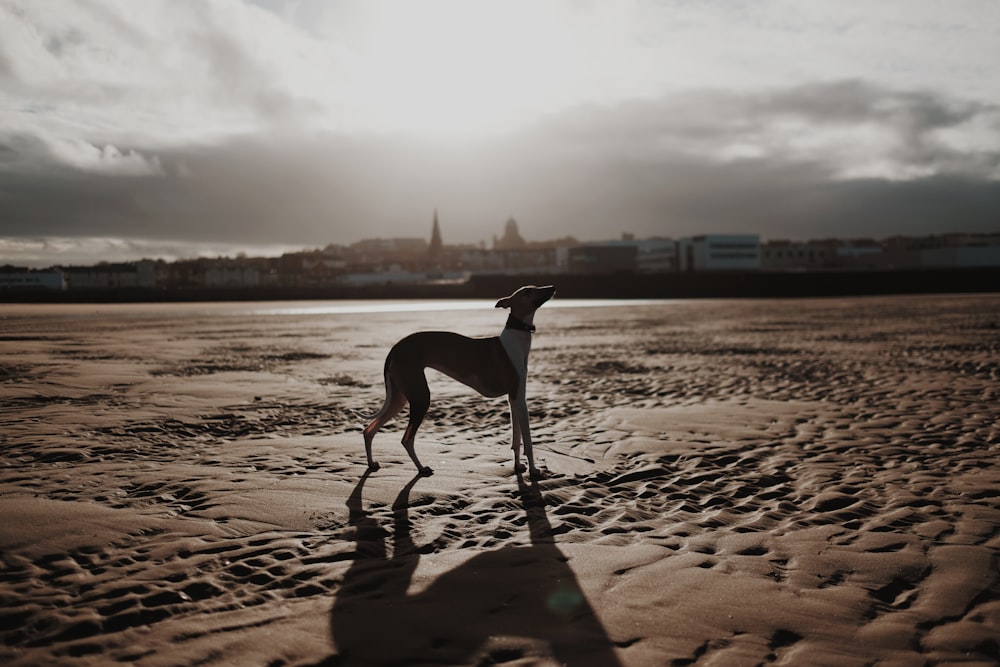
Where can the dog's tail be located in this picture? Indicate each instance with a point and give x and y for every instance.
(388, 391)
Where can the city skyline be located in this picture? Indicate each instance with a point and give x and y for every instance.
(151, 129)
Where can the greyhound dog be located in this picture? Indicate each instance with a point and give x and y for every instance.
(493, 366)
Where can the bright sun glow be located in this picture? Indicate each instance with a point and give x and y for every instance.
(455, 68)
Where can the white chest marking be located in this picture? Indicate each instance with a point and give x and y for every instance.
(517, 344)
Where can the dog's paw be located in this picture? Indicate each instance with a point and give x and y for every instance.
(536, 473)
(426, 471)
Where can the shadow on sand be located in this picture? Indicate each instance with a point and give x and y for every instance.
(498, 606)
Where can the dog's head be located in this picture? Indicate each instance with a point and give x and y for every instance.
(527, 300)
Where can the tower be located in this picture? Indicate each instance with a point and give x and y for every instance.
(436, 245)
(511, 239)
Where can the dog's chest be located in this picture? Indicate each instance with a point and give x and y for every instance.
(517, 344)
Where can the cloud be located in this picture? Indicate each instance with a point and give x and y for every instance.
(875, 131)
(158, 72)
(662, 167)
(105, 159)
(816, 160)
(42, 154)
(220, 120)
(854, 128)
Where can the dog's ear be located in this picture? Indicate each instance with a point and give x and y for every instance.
(503, 303)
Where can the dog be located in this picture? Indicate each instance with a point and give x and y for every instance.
(493, 366)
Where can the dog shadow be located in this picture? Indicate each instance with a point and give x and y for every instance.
(498, 606)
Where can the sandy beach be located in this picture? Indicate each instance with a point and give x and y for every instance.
(727, 482)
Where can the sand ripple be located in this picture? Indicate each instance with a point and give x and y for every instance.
(728, 482)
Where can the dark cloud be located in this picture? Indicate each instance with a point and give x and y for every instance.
(651, 168)
(705, 122)
(929, 205)
(913, 120)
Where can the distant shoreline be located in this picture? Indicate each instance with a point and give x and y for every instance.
(697, 285)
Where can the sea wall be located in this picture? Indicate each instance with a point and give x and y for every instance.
(696, 285)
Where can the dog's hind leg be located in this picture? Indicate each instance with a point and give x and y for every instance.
(419, 396)
(394, 402)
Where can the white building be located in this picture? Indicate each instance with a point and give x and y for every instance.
(20, 278)
(719, 252)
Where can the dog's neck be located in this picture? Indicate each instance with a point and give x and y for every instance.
(518, 325)
(516, 341)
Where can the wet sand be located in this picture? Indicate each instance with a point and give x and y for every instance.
(726, 483)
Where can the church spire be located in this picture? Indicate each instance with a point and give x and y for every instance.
(436, 244)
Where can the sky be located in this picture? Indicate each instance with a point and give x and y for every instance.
(158, 128)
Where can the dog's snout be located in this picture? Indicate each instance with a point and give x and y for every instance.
(545, 293)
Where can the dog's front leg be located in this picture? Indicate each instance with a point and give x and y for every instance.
(519, 407)
(515, 428)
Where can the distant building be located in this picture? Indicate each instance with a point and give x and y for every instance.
(612, 257)
(656, 256)
(511, 239)
(480, 260)
(111, 276)
(18, 278)
(374, 255)
(394, 246)
(393, 277)
(860, 254)
(798, 255)
(946, 251)
(960, 257)
(719, 252)
(627, 255)
(331, 258)
(233, 273)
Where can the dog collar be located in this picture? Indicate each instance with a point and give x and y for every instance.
(514, 323)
